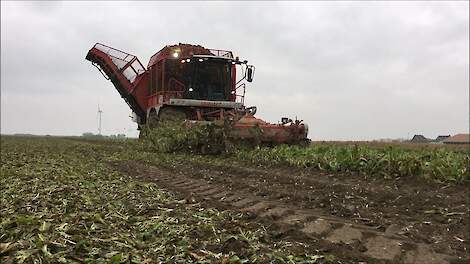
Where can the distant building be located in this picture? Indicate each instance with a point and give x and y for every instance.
(439, 139)
(458, 139)
(420, 139)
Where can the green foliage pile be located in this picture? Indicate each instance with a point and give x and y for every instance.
(440, 164)
(200, 138)
(437, 163)
(62, 202)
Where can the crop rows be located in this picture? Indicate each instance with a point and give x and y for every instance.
(439, 164)
(62, 202)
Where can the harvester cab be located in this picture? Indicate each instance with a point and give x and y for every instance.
(192, 83)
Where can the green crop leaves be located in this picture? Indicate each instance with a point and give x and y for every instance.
(438, 164)
(62, 202)
(170, 137)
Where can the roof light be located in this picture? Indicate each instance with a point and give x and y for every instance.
(176, 54)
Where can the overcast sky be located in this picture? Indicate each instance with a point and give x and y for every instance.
(352, 71)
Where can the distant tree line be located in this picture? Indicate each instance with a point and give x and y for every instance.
(98, 136)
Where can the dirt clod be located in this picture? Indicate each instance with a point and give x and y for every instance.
(319, 226)
(383, 248)
(345, 234)
(235, 245)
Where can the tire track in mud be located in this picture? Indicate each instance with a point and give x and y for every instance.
(369, 244)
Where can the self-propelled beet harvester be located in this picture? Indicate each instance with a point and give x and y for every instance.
(192, 83)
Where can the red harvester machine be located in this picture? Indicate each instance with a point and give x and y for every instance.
(190, 82)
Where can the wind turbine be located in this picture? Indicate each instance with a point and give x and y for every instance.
(99, 118)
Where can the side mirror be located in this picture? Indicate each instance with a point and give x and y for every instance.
(249, 73)
(285, 120)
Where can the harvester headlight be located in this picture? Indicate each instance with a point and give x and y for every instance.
(188, 60)
(191, 89)
(183, 61)
(201, 60)
(176, 54)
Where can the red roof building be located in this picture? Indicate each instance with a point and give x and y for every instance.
(458, 139)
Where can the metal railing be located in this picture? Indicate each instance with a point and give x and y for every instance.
(129, 65)
(241, 96)
(222, 53)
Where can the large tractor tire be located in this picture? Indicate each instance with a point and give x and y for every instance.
(152, 120)
(171, 114)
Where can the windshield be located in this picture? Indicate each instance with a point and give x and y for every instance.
(200, 78)
(211, 79)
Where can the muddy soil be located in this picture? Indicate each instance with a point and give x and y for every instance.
(355, 217)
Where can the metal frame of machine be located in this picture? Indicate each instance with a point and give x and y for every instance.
(151, 91)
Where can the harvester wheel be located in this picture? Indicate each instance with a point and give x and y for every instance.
(171, 114)
(142, 134)
(152, 121)
(305, 142)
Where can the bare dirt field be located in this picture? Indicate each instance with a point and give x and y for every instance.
(350, 216)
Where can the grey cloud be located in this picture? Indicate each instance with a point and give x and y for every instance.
(357, 70)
